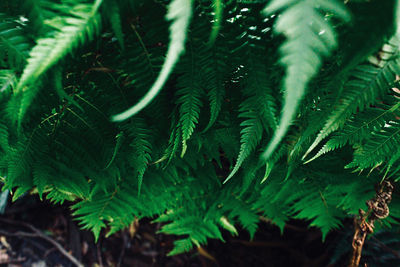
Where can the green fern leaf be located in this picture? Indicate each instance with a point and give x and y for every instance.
(38, 12)
(250, 136)
(104, 207)
(367, 83)
(142, 147)
(205, 229)
(119, 141)
(259, 110)
(360, 127)
(14, 45)
(378, 148)
(180, 12)
(190, 104)
(80, 21)
(112, 11)
(309, 37)
(215, 76)
(218, 10)
(41, 177)
(181, 246)
(8, 80)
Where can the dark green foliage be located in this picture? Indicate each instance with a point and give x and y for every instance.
(194, 156)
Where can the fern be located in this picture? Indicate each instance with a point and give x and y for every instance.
(367, 83)
(8, 80)
(307, 32)
(115, 21)
(189, 94)
(378, 147)
(218, 10)
(258, 109)
(38, 12)
(218, 107)
(80, 22)
(180, 12)
(361, 127)
(215, 76)
(142, 148)
(14, 44)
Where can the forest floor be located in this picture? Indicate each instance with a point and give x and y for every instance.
(34, 233)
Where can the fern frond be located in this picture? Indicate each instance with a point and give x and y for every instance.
(79, 21)
(104, 207)
(378, 148)
(8, 80)
(14, 44)
(368, 81)
(38, 12)
(218, 12)
(243, 212)
(250, 136)
(180, 13)
(20, 158)
(360, 127)
(258, 109)
(69, 181)
(119, 139)
(66, 149)
(111, 9)
(141, 146)
(215, 77)
(4, 137)
(189, 101)
(316, 206)
(309, 37)
(205, 229)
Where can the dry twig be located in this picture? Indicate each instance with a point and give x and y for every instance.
(364, 224)
(37, 233)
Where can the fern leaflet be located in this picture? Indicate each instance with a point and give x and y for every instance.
(309, 37)
(180, 12)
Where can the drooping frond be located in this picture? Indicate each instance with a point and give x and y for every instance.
(14, 44)
(258, 109)
(367, 82)
(378, 148)
(180, 13)
(215, 77)
(190, 92)
(362, 126)
(309, 37)
(77, 23)
(218, 10)
(8, 80)
(102, 207)
(141, 147)
(205, 229)
(113, 13)
(251, 135)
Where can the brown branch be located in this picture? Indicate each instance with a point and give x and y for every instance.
(38, 234)
(364, 224)
(11, 262)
